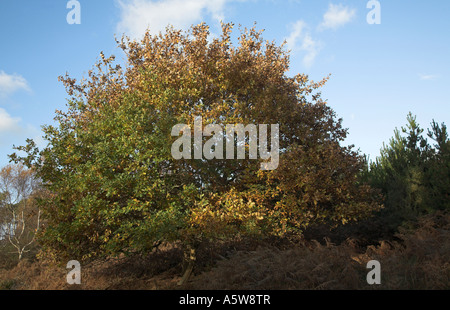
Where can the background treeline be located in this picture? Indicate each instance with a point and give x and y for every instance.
(413, 172)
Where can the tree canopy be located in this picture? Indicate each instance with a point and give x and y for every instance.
(116, 188)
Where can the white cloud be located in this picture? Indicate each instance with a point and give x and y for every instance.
(139, 15)
(300, 40)
(427, 77)
(337, 16)
(296, 33)
(8, 124)
(12, 83)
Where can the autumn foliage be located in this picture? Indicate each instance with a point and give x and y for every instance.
(115, 188)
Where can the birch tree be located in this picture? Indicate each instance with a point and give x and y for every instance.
(20, 216)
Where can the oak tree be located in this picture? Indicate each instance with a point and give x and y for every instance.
(117, 189)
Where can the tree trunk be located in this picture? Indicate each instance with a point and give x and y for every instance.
(189, 261)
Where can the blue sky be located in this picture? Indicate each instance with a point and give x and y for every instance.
(379, 72)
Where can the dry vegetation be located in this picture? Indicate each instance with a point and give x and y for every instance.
(418, 258)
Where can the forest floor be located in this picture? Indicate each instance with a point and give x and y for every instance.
(417, 257)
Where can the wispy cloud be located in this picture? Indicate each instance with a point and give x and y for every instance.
(427, 77)
(300, 40)
(139, 15)
(10, 83)
(337, 16)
